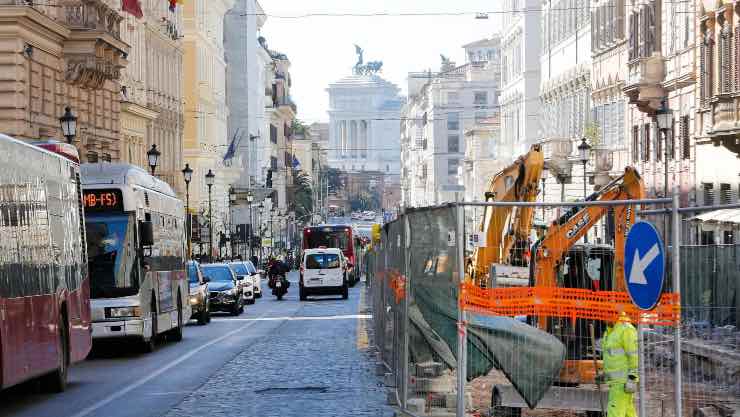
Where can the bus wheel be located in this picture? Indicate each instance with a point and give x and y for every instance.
(57, 380)
(176, 333)
(151, 344)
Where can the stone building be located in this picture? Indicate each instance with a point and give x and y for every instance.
(151, 91)
(70, 54)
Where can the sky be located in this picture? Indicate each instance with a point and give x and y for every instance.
(321, 51)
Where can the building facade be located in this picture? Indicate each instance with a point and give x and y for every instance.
(363, 124)
(63, 55)
(521, 44)
(151, 91)
(205, 127)
(440, 109)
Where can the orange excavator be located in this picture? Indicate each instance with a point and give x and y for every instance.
(507, 229)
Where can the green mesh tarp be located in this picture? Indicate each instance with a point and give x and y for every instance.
(529, 357)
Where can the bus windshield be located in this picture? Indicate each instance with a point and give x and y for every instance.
(328, 239)
(111, 256)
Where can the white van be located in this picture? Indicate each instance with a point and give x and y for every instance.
(323, 271)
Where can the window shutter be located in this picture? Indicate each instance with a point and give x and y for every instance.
(702, 73)
(736, 74)
(594, 32)
(646, 143)
(619, 34)
(651, 44)
(635, 143)
(685, 140)
(726, 64)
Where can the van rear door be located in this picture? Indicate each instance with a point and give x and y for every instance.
(323, 269)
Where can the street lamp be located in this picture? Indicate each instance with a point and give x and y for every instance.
(664, 117)
(68, 122)
(584, 154)
(153, 156)
(232, 203)
(210, 180)
(187, 175)
(250, 198)
(544, 178)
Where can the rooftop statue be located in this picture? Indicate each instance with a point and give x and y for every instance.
(372, 67)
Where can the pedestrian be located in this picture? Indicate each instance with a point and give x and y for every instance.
(620, 367)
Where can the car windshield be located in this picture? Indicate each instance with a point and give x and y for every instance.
(322, 261)
(112, 256)
(192, 273)
(250, 267)
(239, 269)
(218, 273)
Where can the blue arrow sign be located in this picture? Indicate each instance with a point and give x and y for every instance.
(644, 265)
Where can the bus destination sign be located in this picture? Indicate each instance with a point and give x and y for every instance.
(103, 200)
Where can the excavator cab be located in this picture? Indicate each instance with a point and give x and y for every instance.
(585, 266)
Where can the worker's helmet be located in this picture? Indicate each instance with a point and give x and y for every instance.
(624, 318)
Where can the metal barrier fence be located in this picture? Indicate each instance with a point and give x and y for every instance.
(453, 346)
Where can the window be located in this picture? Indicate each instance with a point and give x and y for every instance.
(725, 58)
(452, 165)
(708, 189)
(480, 98)
(453, 143)
(453, 97)
(273, 134)
(480, 117)
(729, 237)
(725, 193)
(92, 157)
(659, 146)
(671, 138)
(646, 142)
(273, 163)
(453, 121)
(707, 237)
(685, 140)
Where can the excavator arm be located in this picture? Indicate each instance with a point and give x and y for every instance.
(507, 228)
(573, 225)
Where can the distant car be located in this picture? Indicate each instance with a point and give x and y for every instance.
(256, 279)
(198, 294)
(224, 292)
(246, 279)
(356, 216)
(323, 271)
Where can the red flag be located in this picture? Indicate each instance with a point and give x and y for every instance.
(173, 4)
(132, 7)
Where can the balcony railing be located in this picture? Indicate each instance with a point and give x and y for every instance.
(91, 15)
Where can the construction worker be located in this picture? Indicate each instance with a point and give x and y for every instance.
(620, 367)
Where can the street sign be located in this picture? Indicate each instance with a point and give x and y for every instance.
(644, 265)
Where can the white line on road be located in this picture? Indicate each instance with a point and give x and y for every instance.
(344, 317)
(87, 411)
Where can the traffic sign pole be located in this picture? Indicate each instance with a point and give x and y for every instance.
(676, 269)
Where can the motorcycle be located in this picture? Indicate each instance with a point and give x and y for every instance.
(279, 285)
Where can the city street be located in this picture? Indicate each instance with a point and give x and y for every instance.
(279, 358)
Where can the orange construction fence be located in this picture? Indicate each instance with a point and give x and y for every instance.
(567, 303)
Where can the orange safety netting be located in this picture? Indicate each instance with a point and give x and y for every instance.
(567, 303)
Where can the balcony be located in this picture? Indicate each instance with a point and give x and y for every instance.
(94, 52)
(287, 101)
(724, 121)
(644, 83)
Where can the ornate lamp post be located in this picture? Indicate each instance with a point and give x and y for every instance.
(250, 198)
(584, 154)
(68, 123)
(187, 175)
(664, 117)
(153, 156)
(210, 180)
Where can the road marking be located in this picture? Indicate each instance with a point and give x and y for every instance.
(344, 317)
(637, 274)
(87, 411)
(362, 339)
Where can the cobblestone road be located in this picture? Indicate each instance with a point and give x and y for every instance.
(315, 363)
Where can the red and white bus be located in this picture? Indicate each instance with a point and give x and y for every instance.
(44, 288)
(340, 236)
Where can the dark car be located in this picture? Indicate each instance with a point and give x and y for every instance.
(224, 291)
(199, 300)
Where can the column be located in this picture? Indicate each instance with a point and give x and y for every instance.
(354, 139)
(363, 139)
